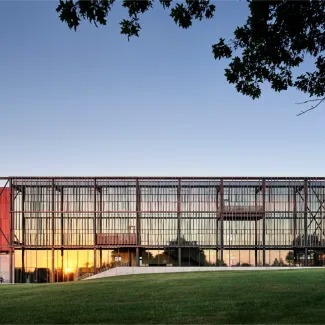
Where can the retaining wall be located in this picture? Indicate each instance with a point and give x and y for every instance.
(131, 270)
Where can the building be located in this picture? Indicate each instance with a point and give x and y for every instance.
(60, 228)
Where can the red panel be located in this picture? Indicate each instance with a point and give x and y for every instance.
(116, 239)
(4, 219)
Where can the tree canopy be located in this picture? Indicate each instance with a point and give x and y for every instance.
(277, 38)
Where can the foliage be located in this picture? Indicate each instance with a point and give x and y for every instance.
(123, 252)
(277, 37)
(191, 252)
(277, 262)
(313, 241)
(158, 259)
(243, 264)
(290, 258)
(220, 263)
(96, 11)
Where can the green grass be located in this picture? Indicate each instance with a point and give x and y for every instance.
(278, 297)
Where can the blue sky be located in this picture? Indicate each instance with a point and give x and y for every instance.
(92, 103)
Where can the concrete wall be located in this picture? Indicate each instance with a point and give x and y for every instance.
(175, 269)
(5, 267)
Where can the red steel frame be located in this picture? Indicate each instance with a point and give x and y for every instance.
(7, 197)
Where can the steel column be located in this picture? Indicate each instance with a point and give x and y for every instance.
(137, 256)
(138, 220)
(221, 219)
(255, 250)
(62, 263)
(306, 220)
(264, 220)
(255, 228)
(217, 223)
(62, 230)
(94, 226)
(52, 266)
(295, 216)
(179, 233)
(295, 225)
(12, 229)
(62, 221)
(23, 197)
(100, 226)
(52, 233)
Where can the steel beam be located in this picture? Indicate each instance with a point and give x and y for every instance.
(154, 185)
(244, 178)
(319, 225)
(161, 247)
(4, 187)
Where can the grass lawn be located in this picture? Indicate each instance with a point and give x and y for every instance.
(278, 297)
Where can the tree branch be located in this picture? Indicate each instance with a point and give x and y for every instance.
(311, 100)
(319, 100)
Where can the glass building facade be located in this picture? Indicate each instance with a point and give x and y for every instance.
(63, 229)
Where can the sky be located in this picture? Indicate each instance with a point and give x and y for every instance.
(92, 103)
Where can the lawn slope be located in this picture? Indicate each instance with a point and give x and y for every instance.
(281, 297)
